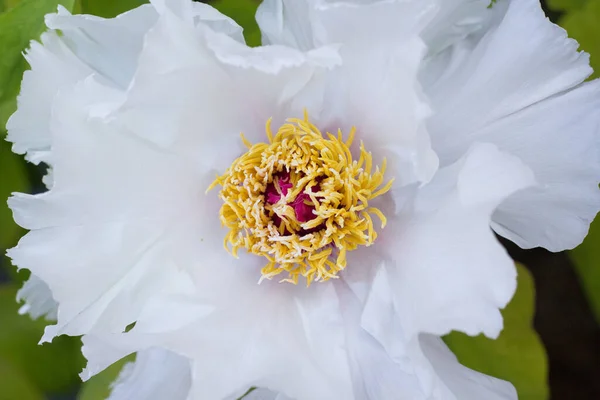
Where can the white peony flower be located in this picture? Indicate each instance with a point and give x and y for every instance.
(436, 134)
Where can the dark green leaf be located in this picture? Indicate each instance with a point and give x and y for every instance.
(52, 367)
(587, 263)
(14, 179)
(517, 355)
(566, 5)
(107, 8)
(242, 11)
(247, 393)
(15, 384)
(8, 102)
(583, 25)
(8, 4)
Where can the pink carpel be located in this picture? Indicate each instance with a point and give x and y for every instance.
(302, 204)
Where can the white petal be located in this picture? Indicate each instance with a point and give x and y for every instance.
(38, 299)
(101, 354)
(447, 270)
(195, 86)
(503, 75)
(85, 45)
(524, 96)
(273, 338)
(560, 140)
(455, 20)
(155, 374)
(462, 382)
(103, 236)
(53, 66)
(264, 335)
(306, 24)
(203, 13)
(109, 46)
(180, 8)
(427, 370)
(376, 375)
(200, 13)
(287, 23)
(385, 51)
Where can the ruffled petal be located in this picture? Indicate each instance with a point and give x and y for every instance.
(385, 50)
(194, 86)
(38, 299)
(525, 96)
(268, 340)
(560, 140)
(286, 22)
(53, 66)
(110, 46)
(455, 20)
(100, 237)
(443, 263)
(426, 371)
(260, 335)
(376, 376)
(155, 374)
(463, 383)
(127, 216)
(86, 45)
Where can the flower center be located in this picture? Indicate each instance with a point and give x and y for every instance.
(301, 201)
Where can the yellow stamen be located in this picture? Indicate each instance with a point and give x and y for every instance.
(334, 187)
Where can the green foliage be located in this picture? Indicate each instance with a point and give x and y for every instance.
(587, 263)
(583, 25)
(15, 384)
(247, 393)
(517, 355)
(99, 386)
(106, 8)
(52, 367)
(14, 179)
(566, 5)
(242, 11)
(8, 4)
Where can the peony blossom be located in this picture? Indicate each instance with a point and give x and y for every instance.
(307, 217)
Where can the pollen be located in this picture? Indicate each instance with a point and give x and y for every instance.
(301, 201)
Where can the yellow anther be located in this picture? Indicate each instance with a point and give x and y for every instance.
(301, 201)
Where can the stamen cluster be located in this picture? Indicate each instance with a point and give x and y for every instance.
(301, 201)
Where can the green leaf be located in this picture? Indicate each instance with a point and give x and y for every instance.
(252, 389)
(52, 367)
(8, 4)
(583, 25)
(18, 26)
(587, 262)
(8, 101)
(242, 11)
(107, 8)
(517, 355)
(15, 384)
(565, 5)
(99, 386)
(14, 179)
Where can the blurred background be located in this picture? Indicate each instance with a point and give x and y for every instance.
(549, 349)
